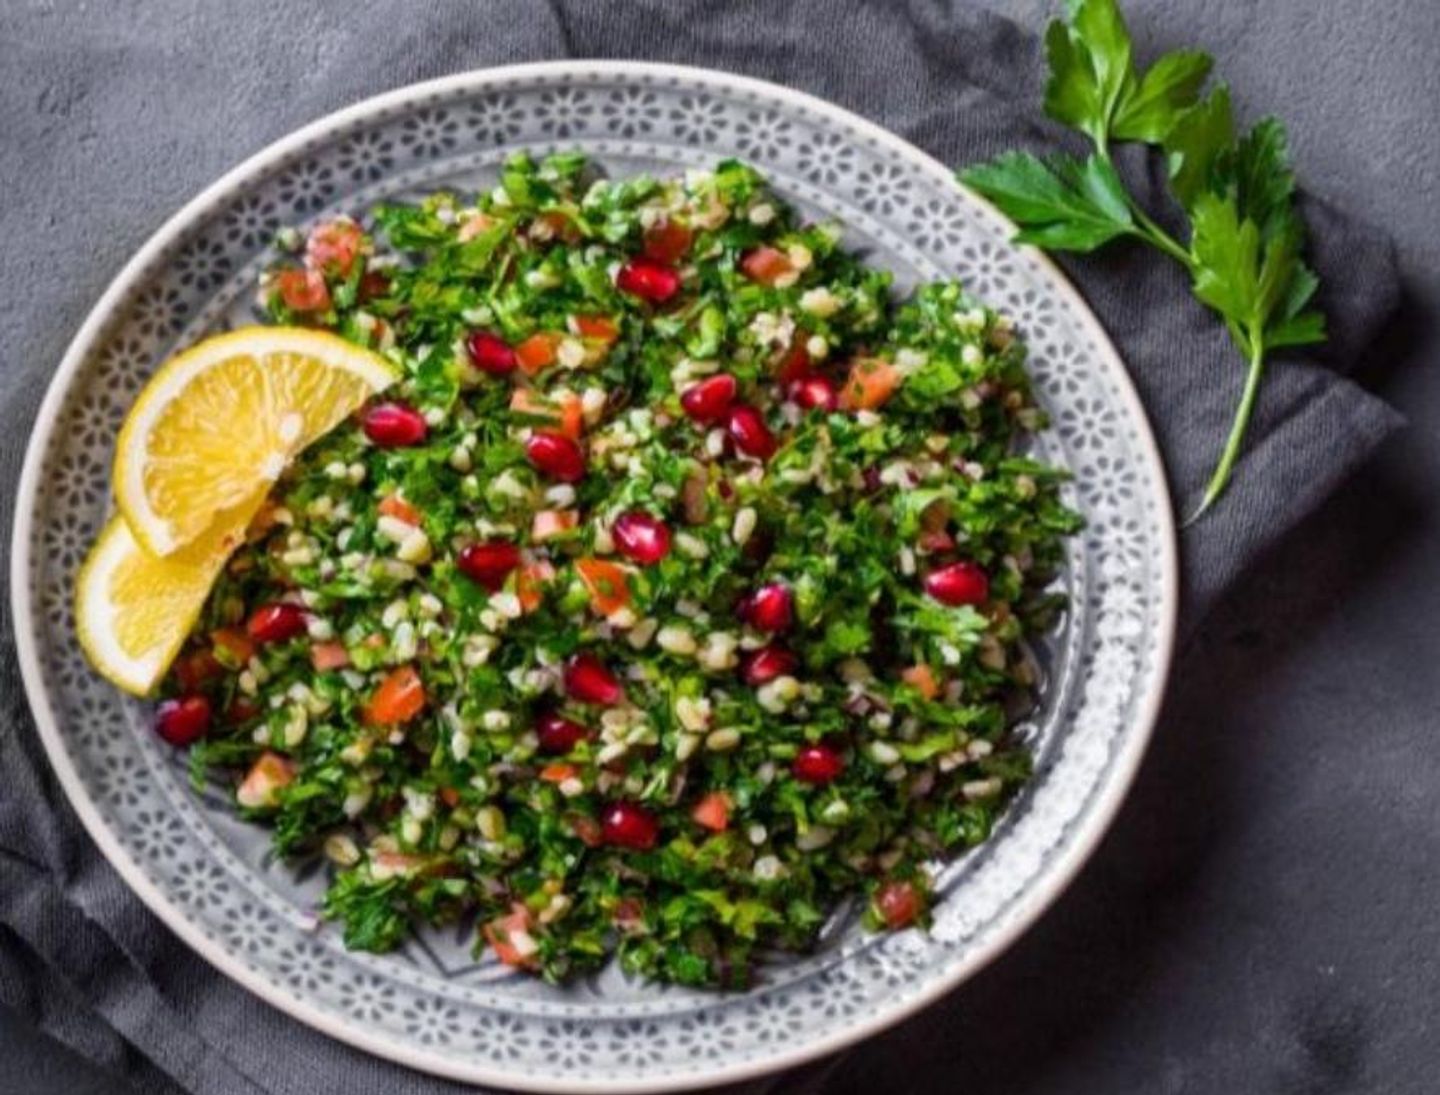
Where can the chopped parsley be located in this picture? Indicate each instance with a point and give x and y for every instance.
(678, 593)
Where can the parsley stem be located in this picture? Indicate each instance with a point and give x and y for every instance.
(1221, 476)
(1154, 234)
(1148, 230)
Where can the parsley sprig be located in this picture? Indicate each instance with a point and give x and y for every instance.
(1245, 237)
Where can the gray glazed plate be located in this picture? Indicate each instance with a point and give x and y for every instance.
(432, 1006)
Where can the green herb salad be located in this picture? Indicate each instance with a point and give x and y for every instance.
(678, 594)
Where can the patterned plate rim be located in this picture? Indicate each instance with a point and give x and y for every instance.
(1046, 888)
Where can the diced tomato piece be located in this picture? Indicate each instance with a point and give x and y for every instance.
(563, 227)
(607, 583)
(921, 678)
(400, 697)
(558, 773)
(303, 290)
(764, 264)
(713, 811)
(899, 904)
(572, 416)
(236, 646)
(392, 505)
(530, 584)
(537, 352)
(552, 522)
(563, 413)
(667, 241)
(587, 829)
(241, 710)
(871, 382)
(267, 777)
(601, 329)
(333, 247)
(935, 541)
(449, 796)
(629, 914)
(510, 936)
(327, 656)
(195, 669)
(397, 863)
(374, 283)
(474, 226)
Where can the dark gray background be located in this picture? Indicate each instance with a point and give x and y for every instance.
(1262, 917)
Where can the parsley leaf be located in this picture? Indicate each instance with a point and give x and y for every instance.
(1093, 84)
(1197, 140)
(1168, 89)
(1245, 240)
(1069, 205)
(1090, 67)
(1256, 176)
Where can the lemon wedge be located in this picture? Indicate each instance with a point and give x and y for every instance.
(133, 609)
(219, 422)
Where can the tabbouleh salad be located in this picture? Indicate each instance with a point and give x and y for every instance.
(678, 593)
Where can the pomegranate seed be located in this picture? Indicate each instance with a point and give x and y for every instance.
(589, 681)
(667, 241)
(558, 734)
(629, 825)
(556, 455)
(183, 721)
(899, 904)
(962, 583)
(275, 623)
(815, 392)
(488, 563)
(649, 280)
(817, 764)
(769, 608)
(640, 537)
(708, 400)
(764, 665)
(394, 425)
(490, 353)
(747, 429)
(795, 365)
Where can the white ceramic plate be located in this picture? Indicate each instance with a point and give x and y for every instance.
(432, 1006)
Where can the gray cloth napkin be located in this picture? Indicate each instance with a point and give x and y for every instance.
(78, 952)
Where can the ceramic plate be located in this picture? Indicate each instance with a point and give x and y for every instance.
(432, 1005)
